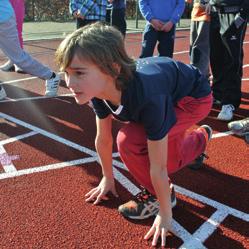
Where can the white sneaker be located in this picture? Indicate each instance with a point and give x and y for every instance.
(18, 69)
(226, 113)
(239, 127)
(2, 93)
(8, 66)
(52, 86)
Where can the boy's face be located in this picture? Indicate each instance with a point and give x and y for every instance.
(85, 80)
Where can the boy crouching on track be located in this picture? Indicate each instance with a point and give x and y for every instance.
(157, 98)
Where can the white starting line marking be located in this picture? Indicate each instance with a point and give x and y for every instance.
(17, 138)
(6, 160)
(191, 241)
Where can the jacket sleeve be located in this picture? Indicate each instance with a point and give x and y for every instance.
(72, 6)
(177, 13)
(145, 10)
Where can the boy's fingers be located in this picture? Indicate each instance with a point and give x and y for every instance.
(155, 237)
(163, 237)
(93, 195)
(90, 192)
(149, 233)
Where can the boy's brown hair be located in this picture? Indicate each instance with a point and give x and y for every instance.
(102, 45)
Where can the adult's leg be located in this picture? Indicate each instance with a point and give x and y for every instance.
(232, 38)
(150, 37)
(166, 41)
(199, 53)
(217, 51)
(108, 16)
(118, 20)
(182, 148)
(9, 43)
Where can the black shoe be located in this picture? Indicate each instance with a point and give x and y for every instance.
(198, 162)
(144, 205)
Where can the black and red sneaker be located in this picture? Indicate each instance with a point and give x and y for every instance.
(144, 205)
(198, 162)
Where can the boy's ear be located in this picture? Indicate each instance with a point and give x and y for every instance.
(116, 67)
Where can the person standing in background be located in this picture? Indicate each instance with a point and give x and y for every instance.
(116, 15)
(87, 12)
(227, 32)
(10, 45)
(161, 17)
(199, 36)
(19, 9)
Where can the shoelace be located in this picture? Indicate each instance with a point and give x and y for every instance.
(226, 108)
(143, 196)
(204, 155)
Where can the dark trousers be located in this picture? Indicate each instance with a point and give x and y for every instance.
(226, 57)
(165, 40)
(81, 22)
(116, 17)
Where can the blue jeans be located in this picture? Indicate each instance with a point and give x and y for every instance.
(165, 40)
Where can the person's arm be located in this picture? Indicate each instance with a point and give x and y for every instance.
(148, 15)
(145, 10)
(177, 13)
(103, 144)
(159, 177)
(72, 7)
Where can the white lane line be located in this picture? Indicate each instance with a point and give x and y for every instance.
(239, 214)
(119, 165)
(182, 52)
(125, 182)
(49, 135)
(207, 228)
(182, 233)
(18, 80)
(115, 154)
(35, 98)
(222, 134)
(47, 167)
(17, 138)
(6, 160)
(23, 79)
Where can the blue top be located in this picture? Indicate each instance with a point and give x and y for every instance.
(158, 84)
(6, 10)
(90, 9)
(164, 10)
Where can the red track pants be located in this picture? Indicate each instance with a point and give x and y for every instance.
(182, 148)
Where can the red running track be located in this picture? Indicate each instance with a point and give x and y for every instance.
(48, 163)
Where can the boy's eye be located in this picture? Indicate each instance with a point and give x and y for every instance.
(79, 73)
